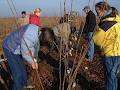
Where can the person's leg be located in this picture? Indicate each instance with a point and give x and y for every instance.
(15, 70)
(112, 65)
(22, 69)
(90, 53)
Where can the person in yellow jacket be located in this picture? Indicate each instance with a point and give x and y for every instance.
(107, 37)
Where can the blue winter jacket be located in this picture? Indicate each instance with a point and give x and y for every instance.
(16, 41)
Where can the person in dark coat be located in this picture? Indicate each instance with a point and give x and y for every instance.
(88, 31)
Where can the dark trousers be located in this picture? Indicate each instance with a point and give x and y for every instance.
(17, 68)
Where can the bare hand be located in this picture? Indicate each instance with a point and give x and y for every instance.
(34, 65)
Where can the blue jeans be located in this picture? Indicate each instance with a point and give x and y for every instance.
(90, 52)
(17, 68)
(112, 65)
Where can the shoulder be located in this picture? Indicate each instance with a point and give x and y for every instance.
(91, 13)
(31, 30)
(32, 26)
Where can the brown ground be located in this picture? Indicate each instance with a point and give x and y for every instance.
(94, 75)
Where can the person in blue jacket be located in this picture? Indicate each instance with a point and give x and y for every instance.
(22, 44)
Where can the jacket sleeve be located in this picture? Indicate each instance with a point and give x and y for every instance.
(99, 37)
(90, 23)
(30, 38)
(116, 41)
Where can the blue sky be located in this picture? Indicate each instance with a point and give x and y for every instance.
(49, 7)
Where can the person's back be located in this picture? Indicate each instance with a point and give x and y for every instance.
(11, 42)
(15, 43)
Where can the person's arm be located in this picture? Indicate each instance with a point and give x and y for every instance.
(27, 47)
(91, 22)
(99, 37)
(116, 40)
(85, 29)
(30, 38)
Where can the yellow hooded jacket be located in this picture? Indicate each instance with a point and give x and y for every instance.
(107, 37)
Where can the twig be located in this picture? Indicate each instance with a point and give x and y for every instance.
(76, 70)
(77, 50)
(60, 84)
(79, 63)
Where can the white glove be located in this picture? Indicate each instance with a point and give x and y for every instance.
(35, 60)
